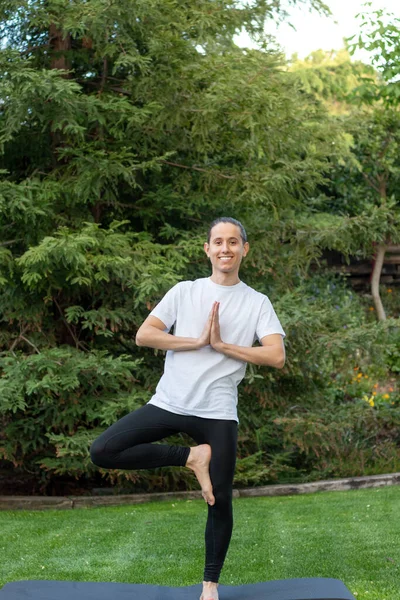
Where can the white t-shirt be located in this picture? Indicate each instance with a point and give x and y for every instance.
(204, 382)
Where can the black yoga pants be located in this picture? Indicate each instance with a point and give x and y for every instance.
(128, 445)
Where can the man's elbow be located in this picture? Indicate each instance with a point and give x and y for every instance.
(280, 363)
(277, 361)
(139, 338)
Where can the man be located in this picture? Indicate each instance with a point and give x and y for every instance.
(216, 321)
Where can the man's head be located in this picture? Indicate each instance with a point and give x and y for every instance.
(226, 244)
(238, 224)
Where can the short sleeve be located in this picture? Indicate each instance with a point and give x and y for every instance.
(167, 309)
(268, 322)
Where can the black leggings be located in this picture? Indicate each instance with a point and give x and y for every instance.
(127, 445)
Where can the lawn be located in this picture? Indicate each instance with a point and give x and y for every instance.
(353, 536)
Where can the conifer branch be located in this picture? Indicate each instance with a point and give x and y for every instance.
(22, 337)
(371, 182)
(78, 344)
(10, 242)
(193, 168)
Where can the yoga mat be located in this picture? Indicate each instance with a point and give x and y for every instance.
(284, 589)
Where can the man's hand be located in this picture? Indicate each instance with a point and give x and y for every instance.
(215, 335)
(204, 339)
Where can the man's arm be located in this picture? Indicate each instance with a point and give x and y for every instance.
(271, 353)
(151, 333)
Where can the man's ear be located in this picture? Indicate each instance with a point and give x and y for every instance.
(246, 248)
(207, 249)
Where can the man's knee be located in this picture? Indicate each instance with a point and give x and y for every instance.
(98, 454)
(223, 498)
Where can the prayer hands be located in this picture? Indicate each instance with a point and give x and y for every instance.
(215, 334)
(211, 332)
(204, 339)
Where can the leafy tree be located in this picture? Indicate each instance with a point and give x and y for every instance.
(380, 165)
(357, 213)
(331, 77)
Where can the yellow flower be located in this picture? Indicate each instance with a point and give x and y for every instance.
(376, 385)
(366, 376)
(371, 308)
(374, 393)
(389, 291)
(386, 396)
(371, 402)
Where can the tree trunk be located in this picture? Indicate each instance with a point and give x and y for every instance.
(59, 45)
(380, 187)
(376, 275)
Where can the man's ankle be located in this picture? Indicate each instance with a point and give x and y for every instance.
(189, 459)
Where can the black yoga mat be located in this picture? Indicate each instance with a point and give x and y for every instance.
(285, 589)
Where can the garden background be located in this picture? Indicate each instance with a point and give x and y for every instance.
(125, 128)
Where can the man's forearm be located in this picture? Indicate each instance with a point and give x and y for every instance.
(156, 338)
(272, 356)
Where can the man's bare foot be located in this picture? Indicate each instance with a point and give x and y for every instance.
(199, 462)
(210, 591)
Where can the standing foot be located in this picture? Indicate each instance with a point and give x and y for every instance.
(210, 591)
(199, 462)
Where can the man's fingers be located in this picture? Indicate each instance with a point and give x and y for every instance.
(212, 311)
(215, 318)
(211, 315)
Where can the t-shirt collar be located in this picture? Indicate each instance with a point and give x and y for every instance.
(225, 287)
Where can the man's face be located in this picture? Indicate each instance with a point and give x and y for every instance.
(226, 248)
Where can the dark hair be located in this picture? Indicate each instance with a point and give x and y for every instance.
(243, 233)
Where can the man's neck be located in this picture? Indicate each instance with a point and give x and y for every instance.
(225, 278)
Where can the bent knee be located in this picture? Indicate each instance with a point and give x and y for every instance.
(98, 454)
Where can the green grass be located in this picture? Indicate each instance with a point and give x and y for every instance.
(353, 536)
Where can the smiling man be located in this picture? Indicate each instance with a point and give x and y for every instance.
(215, 322)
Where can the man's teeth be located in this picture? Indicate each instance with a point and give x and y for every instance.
(225, 257)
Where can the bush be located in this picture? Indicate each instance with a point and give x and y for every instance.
(329, 412)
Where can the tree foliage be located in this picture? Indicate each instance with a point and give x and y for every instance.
(379, 36)
(331, 76)
(123, 133)
(361, 190)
